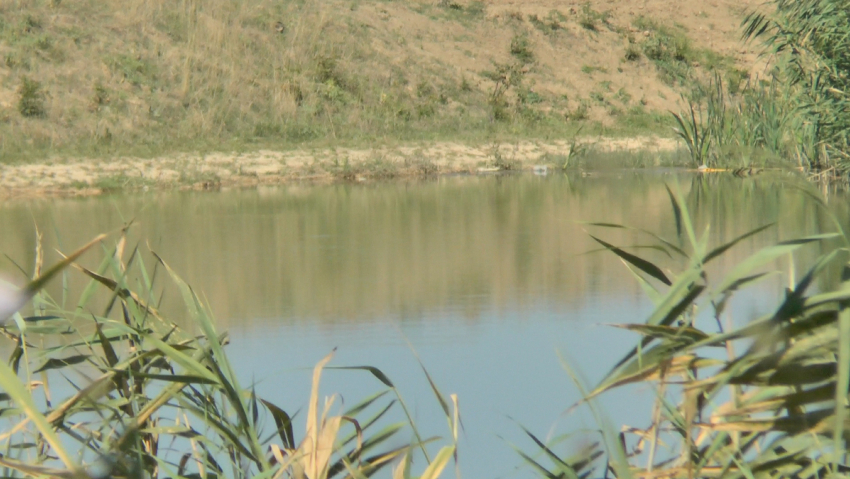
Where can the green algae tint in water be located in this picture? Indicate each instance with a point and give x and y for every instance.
(487, 278)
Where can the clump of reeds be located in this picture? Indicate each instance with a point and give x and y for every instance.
(721, 129)
(810, 40)
(766, 399)
(126, 392)
(801, 111)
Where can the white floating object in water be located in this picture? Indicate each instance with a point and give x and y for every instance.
(540, 170)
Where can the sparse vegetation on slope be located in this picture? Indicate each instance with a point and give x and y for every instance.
(144, 78)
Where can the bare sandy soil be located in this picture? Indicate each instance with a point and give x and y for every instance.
(212, 171)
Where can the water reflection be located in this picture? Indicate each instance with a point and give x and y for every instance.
(349, 253)
(485, 276)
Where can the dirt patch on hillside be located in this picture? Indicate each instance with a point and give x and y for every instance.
(213, 171)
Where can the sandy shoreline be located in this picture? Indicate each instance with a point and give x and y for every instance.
(82, 177)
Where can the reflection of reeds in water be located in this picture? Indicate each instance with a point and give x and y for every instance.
(347, 252)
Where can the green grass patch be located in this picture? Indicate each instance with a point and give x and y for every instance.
(591, 19)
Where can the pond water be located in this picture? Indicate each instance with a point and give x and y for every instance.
(492, 281)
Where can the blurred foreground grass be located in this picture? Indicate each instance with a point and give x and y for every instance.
(765, 399)
(127, 393)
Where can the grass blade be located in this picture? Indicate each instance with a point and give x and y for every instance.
(639, 263)
(23, 399)
(436, 467)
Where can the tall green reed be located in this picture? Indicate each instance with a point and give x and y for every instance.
(765, 399)
(809, 44)
(142, 397)
(801, 111)
(761, 121)
(694, 133)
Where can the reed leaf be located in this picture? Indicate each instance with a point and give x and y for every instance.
(283, 423)
(18, 393)
(692, 131)
(439, 463)
(660, 239)
(775, 409)
(637, 262)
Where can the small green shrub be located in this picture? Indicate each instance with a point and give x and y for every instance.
(638, 118)
(623, 96)
(589, 19)
(589, 69)
(580, 113)
(537, 22)
(103, 136)
(425, 110)
(633, 53)
(522, 49)
(30, 24)
(735, 79)
(505, 78)
(16, 60)
(302, 131)
(265, 129)
(527, 96)
(550, 24)
(654, 49)
(332, 92)
(500, 111)
(326, 69)
(100, 97)
(473, 11)
(135, 69)
(173, 24)
(425, 90)
(403, 113)
(673, 54)
(502, 161)
(476, 8)
(587, 24)
(421, 166)
(530, 115)
(31, 98)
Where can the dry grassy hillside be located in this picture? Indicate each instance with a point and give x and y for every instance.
(98, 77)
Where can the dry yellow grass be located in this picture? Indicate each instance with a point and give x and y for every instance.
(151, 76)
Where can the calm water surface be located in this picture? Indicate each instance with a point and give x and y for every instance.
(490, 280)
